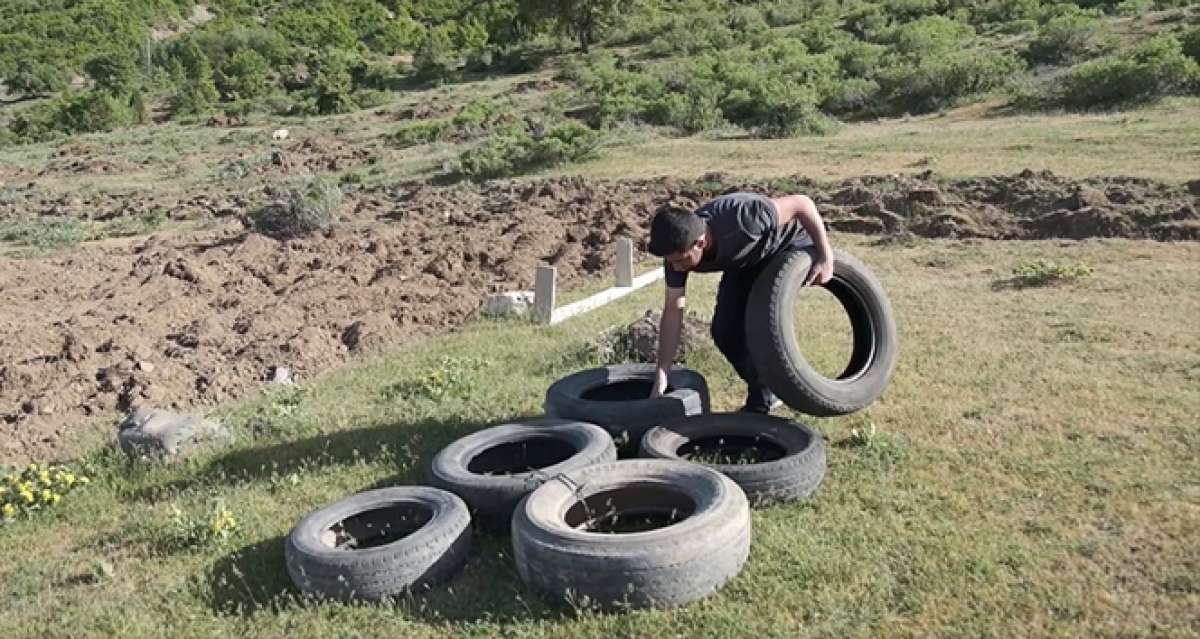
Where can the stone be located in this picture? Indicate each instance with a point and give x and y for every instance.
(157, 433)
(145, 366)
(282, 375)
(509, 304)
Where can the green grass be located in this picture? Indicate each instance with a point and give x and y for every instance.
(1030, 471)
(1155, 142)
(41, 234)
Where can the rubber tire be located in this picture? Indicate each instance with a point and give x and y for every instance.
(770, 326)
(492, 498)
(794, 476)
(432, 554)
(627, 421)
(664, 567)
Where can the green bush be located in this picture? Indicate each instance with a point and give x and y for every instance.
(1190, 41)
(942, 79)
(927, 36)
(1154, 69)
(299, 208)
(94, 111)
(333, 86)
(1065, 38)
(112, 72)
(525, 147)
(43, 233)
(689, 34)
(436, 58)
(246, 75)
(617, 94)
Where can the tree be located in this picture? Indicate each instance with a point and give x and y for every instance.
(582, 19)
(112, 72)
(246, 75)
(31, 79)
(333, 83)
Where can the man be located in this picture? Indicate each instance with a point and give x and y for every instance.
(738, 234)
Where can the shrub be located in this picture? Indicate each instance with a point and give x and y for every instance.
(525, 147)
(93, 111)
(1155, 68)
(112, 72)
(929, 35)
(333, 86)
(435, 58)
(43, 233)
(689, 34)
(942, 79)
(616, 94)
(246, 75)
(299, 208)
(1190, 41)
(1065, 38)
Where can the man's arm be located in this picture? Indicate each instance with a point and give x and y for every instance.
(802, 209)
(668, 336)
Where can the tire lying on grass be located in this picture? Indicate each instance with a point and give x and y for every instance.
(380, 543)
(770, 326)
(635, 533)
(617, 397)
(772, 459)
(494, 468)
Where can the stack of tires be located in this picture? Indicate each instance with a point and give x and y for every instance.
(667, 527)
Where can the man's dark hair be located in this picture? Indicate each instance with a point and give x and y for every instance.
(674, 229)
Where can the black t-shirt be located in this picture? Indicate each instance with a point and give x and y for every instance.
(746, 227)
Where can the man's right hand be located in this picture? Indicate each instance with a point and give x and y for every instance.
(668, 337)
(660, 384)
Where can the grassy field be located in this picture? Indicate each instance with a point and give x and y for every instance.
(1157, 142)
(1030, 471)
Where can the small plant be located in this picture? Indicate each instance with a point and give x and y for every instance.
(36, 488)
(299, 209)
(43, 233)
(214, 525)
(449, 378)
(1043, 272)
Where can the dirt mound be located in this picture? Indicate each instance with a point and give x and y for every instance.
(172, 320)
(1029, 205)
(177, 320)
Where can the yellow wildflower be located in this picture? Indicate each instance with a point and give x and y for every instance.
(10, 511)
(46, 495)
(84, 480)
(54, 498)
(44, 476)
(27, 496)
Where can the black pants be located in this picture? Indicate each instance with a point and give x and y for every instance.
(729, 326)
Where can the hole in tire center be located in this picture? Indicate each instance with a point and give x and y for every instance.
(731, 450)
(377, 527)
(622, 391)
(521, 456)
(633, 508)
(823, 331)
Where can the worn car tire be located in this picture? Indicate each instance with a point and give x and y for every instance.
(617, 397)
(558, 557)
(798, 452)
(474, 466)
(433, 536)
(770, 326)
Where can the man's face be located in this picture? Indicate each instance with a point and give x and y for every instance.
(683, 261)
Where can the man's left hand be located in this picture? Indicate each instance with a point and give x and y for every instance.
(820, 272)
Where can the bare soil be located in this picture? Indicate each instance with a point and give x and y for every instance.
(183, 320)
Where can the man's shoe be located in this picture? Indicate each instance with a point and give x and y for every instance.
(762, 402)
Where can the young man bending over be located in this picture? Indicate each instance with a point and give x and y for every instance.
(737, 234)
